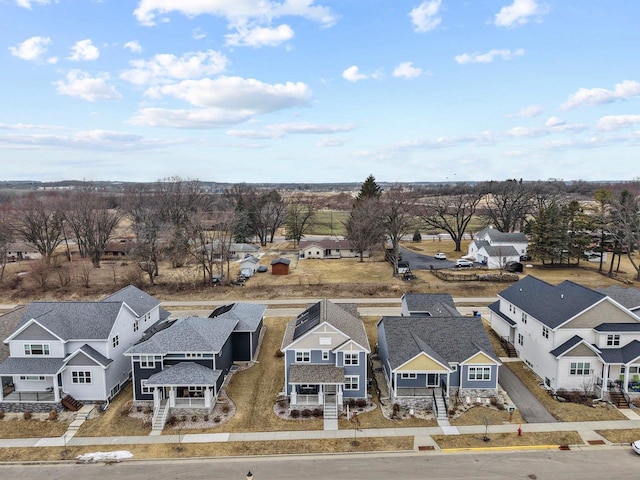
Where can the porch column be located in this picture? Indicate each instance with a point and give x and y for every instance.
(1, 392)
(172, 397)
(395, 384)
(340, 388)
(320, 394)
(56, 390)
(446, 391)
(207, 397)
(156, 398)
(626, 378)
(605, 377)
(293, 395)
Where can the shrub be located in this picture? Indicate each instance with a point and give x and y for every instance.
(494, 401)
(225, 408)
(194, 418)
(216, 419)
(351, 402)
(294, 413)
(500, 406)
(27, 415)
(396, 408)
(279, 353)
(283, 402)
(1, 414)
(171, 420)
(306, 413)
(361, 403)
(206, 418)
(183, 418)
(139, 408)
(148, 410)
(317, 412)
(53, 415)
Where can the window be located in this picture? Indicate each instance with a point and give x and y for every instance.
(115, 341)
(580, 368)
(325, 355)
(144, 388)
(351, 359)
(479, 373)
(408, 376)
(545, 332)
(520, 339)
(351, 382)
(193, 355)
(613, 340)
(325, 340)
(303, 356)
(147, 361)
(32, 378)
(136, 325)
(114, 391)
(80, 377)
(524, 317)
(36, 349)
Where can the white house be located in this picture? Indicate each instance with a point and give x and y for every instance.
(572, 337)
(328, 248)
(494, 248)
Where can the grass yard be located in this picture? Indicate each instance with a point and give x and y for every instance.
(478, 415)
(620, 436)
(33, 428)
(343, 445)
(527, 439)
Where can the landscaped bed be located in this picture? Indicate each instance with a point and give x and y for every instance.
(14, 425)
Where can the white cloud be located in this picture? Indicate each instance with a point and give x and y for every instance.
(28, 3)
(332, 142)
(519, 13)
(166, 67)
(198, 34)
(234, 10)
(425, 17)
(617, 122)
(133, 46)
(489, 56)
(283, 129)
(82, 85)
(352, 74)
(260, 36)
(554, 122)
(528, 112)
(597, 96)
(407, 70)
(25, 126)
(183, 118)
(84, 50)
(31, 49)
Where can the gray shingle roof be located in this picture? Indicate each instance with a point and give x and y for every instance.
(97, 356)
(566, 346)
(190, 334)
(551, 305)
(436, 304)
(31, 366)
(618, 327)
(282, 260)
(503, 237)
(185, 374)
(340, 317)
(449, 340)
(627, 354)
(248, 315)
(501, 251)
(74, 320)
(495, 308)
(627, 297)
(139, 301)
(8, 323)
(315, 374)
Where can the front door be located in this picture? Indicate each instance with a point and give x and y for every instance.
(432, 379)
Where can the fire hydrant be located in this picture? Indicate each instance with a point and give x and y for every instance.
(520, 430)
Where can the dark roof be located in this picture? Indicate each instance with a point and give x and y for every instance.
(282, 260)
(248, 315)
(627, 354)
(495, 308)
(627, 297)
(139, 301)
(549, 304)
(566, 346)
(316, 374)
(448, 340)
(31, 366)
(435, 304)
(307, 320)
(96, 355)
(190, 334)
(501, 251)
(618, 327)
(8, 323)
(185, 374)
(504, 237)
(326, 243)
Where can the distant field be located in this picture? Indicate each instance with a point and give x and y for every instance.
(329, 222)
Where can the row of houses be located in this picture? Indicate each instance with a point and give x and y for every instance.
(567, 334)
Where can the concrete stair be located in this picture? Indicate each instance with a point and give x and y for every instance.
(158, 423)
(330, 410)
(442, 409)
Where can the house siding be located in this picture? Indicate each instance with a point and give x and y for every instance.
(479, 384)
(140, 374)
(241, 346)
(603, 312)
(223, 362)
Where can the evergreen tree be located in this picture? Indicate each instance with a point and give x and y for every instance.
(369, 189)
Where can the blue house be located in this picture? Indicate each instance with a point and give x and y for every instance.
(326, 350)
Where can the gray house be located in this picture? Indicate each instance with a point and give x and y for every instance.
(326, 350)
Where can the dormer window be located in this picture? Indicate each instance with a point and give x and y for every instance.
(613, 340)
(36, 349)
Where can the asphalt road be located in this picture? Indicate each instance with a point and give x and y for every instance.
(616, 462)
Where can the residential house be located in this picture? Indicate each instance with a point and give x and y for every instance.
(249, 263)
(118, 248)
(325, 357)
(18, 251)
(495, 249)
(625, 296)
(328, 248)
(75, 348)
(186, 364)
(572, 337)
(433, 358)
(233, 250)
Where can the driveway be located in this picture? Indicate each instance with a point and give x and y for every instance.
(424, 262)
(531, 409)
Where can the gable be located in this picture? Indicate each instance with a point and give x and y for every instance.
(480, 359)
(422, 362)
(83, 360)
(580, 350)
(350, 346)
(602, 312)
(324, 336)
(35, 331)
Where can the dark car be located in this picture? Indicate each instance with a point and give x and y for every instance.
(513, 267)
(525, 258)
(262, 269)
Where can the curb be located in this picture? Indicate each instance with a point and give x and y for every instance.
(501, 449)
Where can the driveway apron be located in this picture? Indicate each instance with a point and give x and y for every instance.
(531, 409)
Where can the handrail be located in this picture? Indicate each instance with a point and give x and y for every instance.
(435, 404)
(443, 386)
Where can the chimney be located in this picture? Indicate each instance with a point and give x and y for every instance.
(562, 295)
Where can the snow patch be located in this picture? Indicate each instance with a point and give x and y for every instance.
(105, 456)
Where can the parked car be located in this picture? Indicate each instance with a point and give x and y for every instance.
(246, 272)
(525, 258)
(262, 269)
(462, 263)
(440, 256)
(636, 446)
(513, 267)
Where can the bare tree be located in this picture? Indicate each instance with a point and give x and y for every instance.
(6, 238)
(451, 211)
(39, 220)
(397, 217)
(300, 216)
(506, 204)
(627, 226)
(364, 228)
(211, 244)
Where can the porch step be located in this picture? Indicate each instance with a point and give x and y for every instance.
(442, 409)
(330, 411)
(71, 403)
(158, 423)
(617, 398)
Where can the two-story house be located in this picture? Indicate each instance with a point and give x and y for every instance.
(75, 348)
(495, 249)
(325, 357)
(572, 337)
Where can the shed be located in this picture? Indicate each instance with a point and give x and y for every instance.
(280, 266)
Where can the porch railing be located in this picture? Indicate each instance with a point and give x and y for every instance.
(443, 387)
(187, 402)
(30, 397)
(435, 403)
(307, 400)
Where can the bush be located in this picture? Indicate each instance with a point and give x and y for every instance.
(225, 408)
(216, 419)
(494, 401)
(171, 420)
(53, 415)
(500, 406)
(148, 410)
(317, 412)
(183, 418)
(27, 415)
(126, 408)
(279, 353)
(206, 418)
(139, 408)
(283, 402)
(361, 403)
(306, 413)
(1, 414)
(294, 413)
(351, 402)
(194, 418)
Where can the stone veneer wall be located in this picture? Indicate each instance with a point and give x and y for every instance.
(35, 407)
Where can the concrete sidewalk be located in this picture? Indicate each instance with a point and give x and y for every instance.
(587, 430)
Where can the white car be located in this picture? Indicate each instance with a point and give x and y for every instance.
(462, 263)
(440, 256)
(636, 446)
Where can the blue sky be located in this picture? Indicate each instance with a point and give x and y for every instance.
(319, 90)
